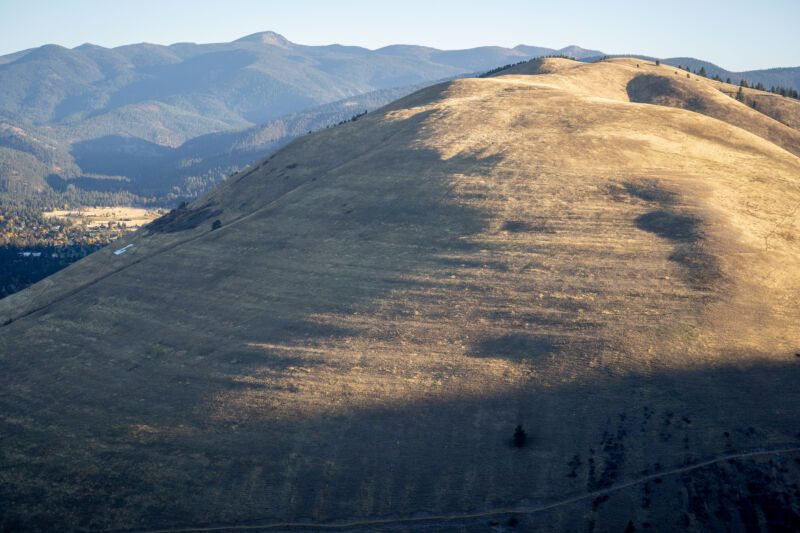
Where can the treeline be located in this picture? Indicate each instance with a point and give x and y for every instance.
(25, 197)
(505, 67)
(24, 266)
(351, 119)
(785, 91)
(788, 92)
(500, 69)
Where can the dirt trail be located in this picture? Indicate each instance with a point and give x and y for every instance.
(482, 514)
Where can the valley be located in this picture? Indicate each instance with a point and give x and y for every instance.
(109, 217)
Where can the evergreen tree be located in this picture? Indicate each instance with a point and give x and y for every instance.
(519, 437)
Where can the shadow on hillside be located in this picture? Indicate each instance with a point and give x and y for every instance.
(662, 90)
(540, 347)
(516, 346)
(182, 218)
(187, 468)
(118, 155)
(702, 268)
(670, 225)
(684, 229)
(59, 184)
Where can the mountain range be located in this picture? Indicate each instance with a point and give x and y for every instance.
(155, 124)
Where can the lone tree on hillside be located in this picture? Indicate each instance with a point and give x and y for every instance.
(519, 437)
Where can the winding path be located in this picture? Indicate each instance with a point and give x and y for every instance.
(482, 514)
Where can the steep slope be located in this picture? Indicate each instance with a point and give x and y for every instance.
(387, 299)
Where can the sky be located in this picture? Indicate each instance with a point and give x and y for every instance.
(736, 35)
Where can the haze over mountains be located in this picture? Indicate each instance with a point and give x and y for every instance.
(63, 109)
(142, 123)
(346, 333)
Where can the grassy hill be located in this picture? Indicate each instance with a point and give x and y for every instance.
(605, 254)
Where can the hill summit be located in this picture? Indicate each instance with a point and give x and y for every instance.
(266, 37)
(354, 331)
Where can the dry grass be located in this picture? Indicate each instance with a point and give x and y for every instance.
(132, 217)
(386, 300)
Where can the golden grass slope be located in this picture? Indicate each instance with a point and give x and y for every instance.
(386, 300)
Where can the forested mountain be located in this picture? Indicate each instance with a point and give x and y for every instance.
(110, 120)
(249, 81)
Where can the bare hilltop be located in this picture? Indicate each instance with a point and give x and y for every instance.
(346, 334)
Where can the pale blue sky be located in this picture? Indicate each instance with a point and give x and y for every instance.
(737, 35)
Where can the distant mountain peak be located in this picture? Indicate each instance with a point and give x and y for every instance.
(579, 52)
(266, 37)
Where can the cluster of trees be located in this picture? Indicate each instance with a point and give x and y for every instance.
(785, 91)
(24, 266)
(26, 227)
(505, 67)
(789, 92)
(351, 119)
(702, 72)
(20, 196)
(499, 69)
(32, 247)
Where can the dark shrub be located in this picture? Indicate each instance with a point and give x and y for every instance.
(519, 437)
